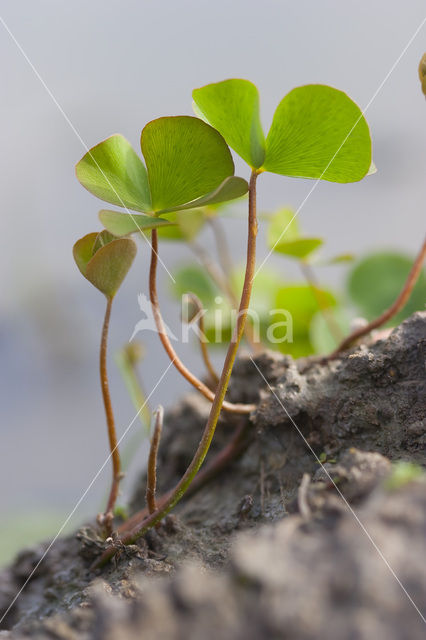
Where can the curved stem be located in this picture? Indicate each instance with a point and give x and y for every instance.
(127, 365)
(399, 303)
(151, 481)
(221, 460)
(216, 407)
(107, 518)
(187, 374)
(202, 339)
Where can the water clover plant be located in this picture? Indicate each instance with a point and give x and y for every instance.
(105, 260)
(317, 132)
(188, 164)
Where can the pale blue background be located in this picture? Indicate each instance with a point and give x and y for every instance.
(113, 66)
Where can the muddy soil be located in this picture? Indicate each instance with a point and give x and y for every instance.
(276, 545)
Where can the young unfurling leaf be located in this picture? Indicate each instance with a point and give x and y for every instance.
(104, 260)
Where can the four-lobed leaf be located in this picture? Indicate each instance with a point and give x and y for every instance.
(104, 260)
(188, 165)
(317, 131)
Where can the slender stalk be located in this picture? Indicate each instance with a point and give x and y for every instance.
(187, 374)
(328, 315)
(399, 303)
(127, 364)
(127, 359)
(216, 407)
(219, 275)
(107, 518)
(151, 480)
(231, 451)
(215, 273)
(202, 340)
(221, 244)
(221, 460)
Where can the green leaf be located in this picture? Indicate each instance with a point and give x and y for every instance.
(232, 107)
(283, 226)
(301, 303)
(318, 132)
(186, 225)
(376, 281)
(283, 235)
(185, 158)
(102, 239)
(121, 224)
(104, 265)
(113, 172)
(83, 251)
(319, 332)
(229, 189)
(299, 248)
(193, 279)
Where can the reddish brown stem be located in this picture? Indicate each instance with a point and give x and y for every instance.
(187, 374)
(151, 480)
(399, 303)
(221, 460)
(209, 430)
(107, 518)
(227, 268)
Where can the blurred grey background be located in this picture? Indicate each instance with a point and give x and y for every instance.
(113, 66)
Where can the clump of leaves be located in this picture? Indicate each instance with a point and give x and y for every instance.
(317, 132)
